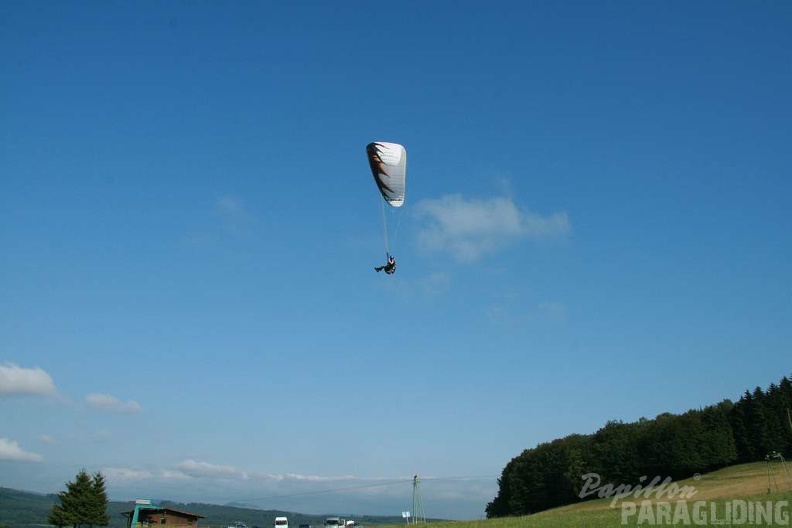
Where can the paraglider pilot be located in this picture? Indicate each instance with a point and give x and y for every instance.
(390, 267)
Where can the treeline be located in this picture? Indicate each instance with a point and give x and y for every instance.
(670, 445)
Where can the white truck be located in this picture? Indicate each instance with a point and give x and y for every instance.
(281, 522)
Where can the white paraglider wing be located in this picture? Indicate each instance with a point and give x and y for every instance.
(388, 163)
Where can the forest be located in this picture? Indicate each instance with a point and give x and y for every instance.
(676, 446)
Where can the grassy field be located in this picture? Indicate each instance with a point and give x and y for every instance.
(728, 491)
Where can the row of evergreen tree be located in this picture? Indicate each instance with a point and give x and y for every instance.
(675, 446)
(83, 503)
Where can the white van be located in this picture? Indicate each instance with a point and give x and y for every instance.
(281, 522)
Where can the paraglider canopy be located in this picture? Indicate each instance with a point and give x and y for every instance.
(388, 163)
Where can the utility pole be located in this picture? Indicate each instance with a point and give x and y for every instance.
(771, 478)
(418, 510)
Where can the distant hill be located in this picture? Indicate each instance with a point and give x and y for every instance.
(20, 509)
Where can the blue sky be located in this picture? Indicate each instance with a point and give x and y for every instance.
(596, 227)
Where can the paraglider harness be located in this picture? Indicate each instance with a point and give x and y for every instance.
(390, 267)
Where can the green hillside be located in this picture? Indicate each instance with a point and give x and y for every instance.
(719, 489)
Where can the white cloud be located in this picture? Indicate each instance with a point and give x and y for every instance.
(169, 474)
(311, 478)
(10, 450)
(119, 475)
(110, 403)
(470, 228)
(47, 439)
(125, 474)
(193, 469)
(18, 380)
(205, 469)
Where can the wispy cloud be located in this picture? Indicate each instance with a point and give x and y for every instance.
(194, 469)
(205, 469)
(126, 474)
(47, 439)
(10, 450)
(106, 402)
(468, 229)
(18, 380)
(120, 475)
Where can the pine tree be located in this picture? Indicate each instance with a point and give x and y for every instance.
(59, 517)
(757, 423)
(775, 419)
(743, 438)
(716, 443)
(99, 515)
(83, 503)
